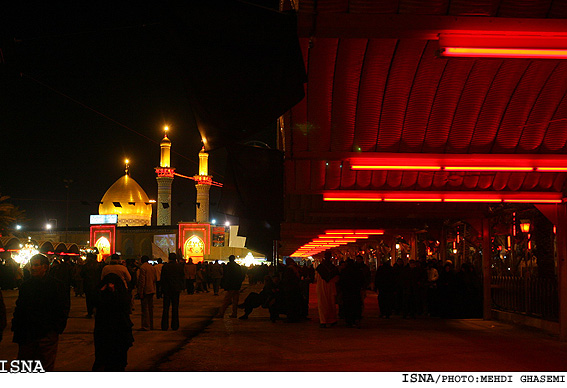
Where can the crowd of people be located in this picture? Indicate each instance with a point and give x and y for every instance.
(110, 289)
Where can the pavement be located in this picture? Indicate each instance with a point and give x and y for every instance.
(208, 344)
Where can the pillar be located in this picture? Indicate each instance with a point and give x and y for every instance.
(486, 276)
(202, 211)
(561, 240)
(164, 200)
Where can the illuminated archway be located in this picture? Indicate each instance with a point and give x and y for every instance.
(194, 248)
(103, 246)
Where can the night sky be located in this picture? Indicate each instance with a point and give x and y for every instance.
(82, 90)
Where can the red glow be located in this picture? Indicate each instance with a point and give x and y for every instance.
(504, 52)
(460, 162)
(551, 169)
(405, 167)
(393, 199)
(487, 168)
(441, 196)
(488, 199)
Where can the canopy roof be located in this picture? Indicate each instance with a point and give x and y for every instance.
(378, 88)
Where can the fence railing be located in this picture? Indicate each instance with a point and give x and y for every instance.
(532, 296)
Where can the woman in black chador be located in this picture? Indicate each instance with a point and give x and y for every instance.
(113, 327)
(351, 280)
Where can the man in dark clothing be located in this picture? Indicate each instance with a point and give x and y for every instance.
(232, 279)
(91, 278)
(385, 284)
(40, 315)
(291, 287)
(2, 315)
(367, 276)
(409, 280)
(216, 275)
(351, 281)
(172, 279)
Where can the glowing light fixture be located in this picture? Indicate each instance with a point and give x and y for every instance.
(504, 53)
(525, 226)
(441, 196)
(459, 162)
(504, 44)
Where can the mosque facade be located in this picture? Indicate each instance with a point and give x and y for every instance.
(124, 223)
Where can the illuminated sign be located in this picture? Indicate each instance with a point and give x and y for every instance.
(102, 219)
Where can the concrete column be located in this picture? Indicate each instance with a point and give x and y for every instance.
(561, 241)
(486, 258)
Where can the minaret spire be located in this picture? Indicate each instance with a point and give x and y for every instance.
(165, 174)
(203, 183)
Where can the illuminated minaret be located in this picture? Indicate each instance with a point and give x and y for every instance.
(203, 183)
(164, 179)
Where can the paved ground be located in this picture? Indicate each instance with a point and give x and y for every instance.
(256, 344)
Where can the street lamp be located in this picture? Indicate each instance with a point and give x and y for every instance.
(525, 226)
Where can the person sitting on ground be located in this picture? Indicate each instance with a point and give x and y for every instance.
(255, 299)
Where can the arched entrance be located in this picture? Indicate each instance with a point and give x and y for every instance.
(194, 248)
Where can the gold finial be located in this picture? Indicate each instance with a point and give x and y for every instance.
(127, 163)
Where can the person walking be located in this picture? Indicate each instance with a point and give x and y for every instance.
(385, 285)
(158, 266)
(3, 321)
(117, 268)
(367, 276)
(216, 276)
(113, 327)
(231, 282)
(172, 278)
(40, 316)
(146, 291)
(351, 281)
(90, 273)
(327, 275)
(190, 270)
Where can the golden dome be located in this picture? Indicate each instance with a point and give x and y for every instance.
(134, 209)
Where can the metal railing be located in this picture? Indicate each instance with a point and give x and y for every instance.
(533, 296)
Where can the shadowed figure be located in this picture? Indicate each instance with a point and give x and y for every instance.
(113, 327)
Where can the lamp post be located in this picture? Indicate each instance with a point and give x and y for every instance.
(525, 228)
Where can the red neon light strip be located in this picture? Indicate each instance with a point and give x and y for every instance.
(375, 167)
(504, 53)
(551, 169)
(534, 200)
(487, 168)
(472, 199)
(440, 196)
(413, 200)
(456, 162)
